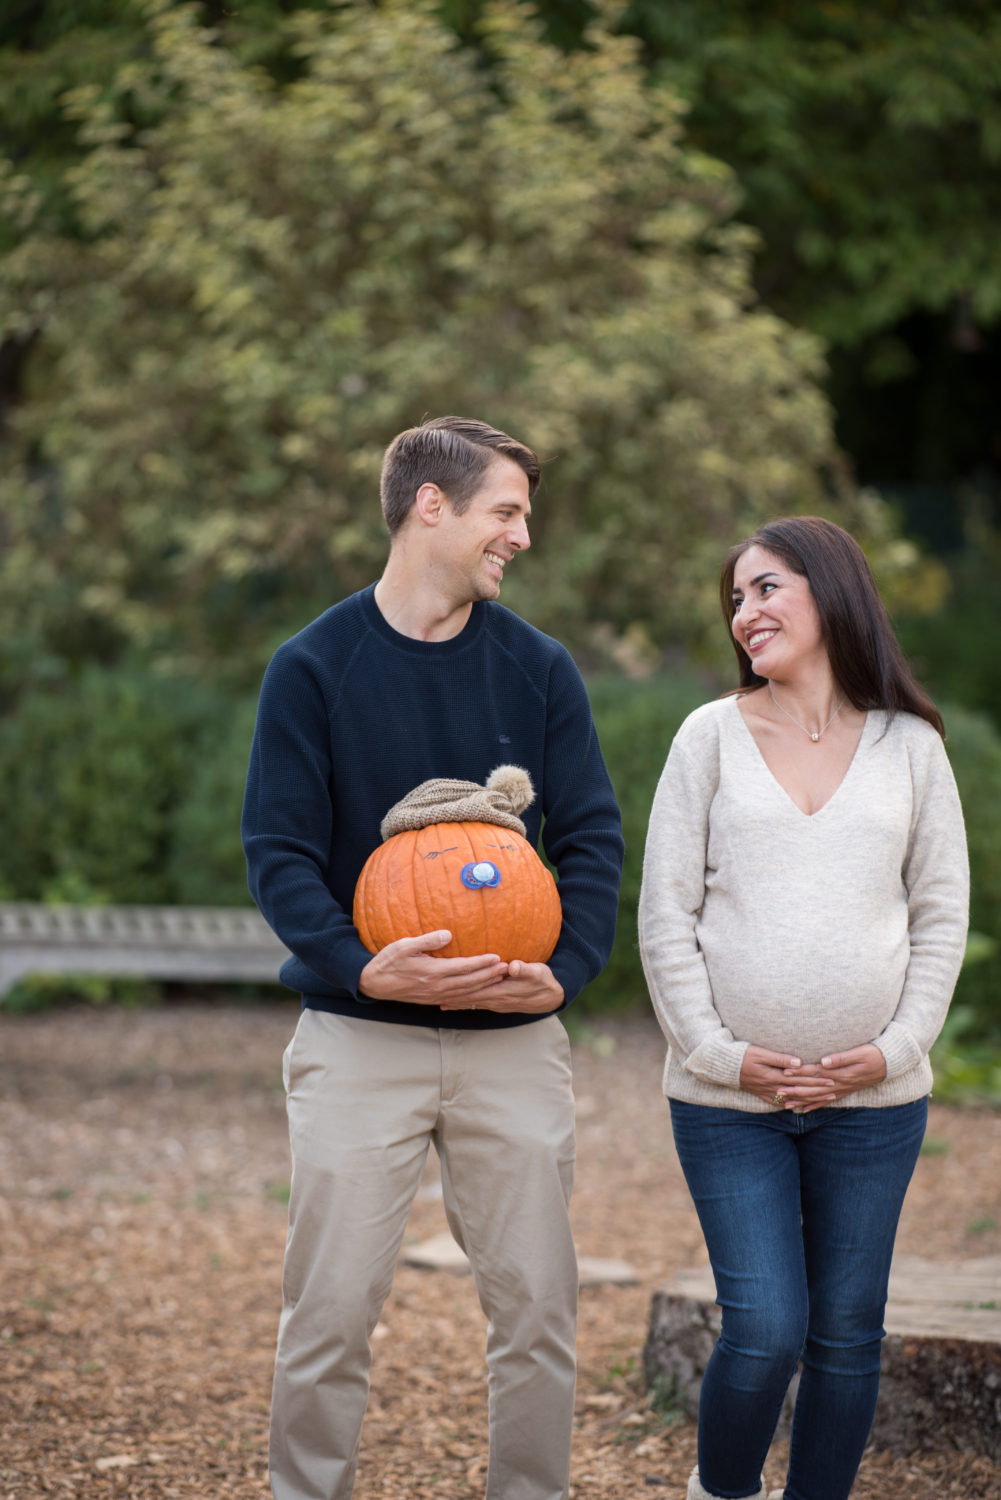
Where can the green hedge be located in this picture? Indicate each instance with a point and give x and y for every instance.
(123, 786)
(636, 723)
(206, 865)
(974, 746)
(120, 785)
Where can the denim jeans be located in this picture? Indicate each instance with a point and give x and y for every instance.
(799, 1214)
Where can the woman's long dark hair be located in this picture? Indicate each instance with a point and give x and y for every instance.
(868, 664)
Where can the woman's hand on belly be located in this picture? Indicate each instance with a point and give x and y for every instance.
(772, 1076)
(835, 1077)
(786, 1083)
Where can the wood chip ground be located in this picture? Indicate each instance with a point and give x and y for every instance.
(143, 1182)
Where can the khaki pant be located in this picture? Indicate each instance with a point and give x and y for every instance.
(365, 1099)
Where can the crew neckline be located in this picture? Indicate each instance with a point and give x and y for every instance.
(467, 636)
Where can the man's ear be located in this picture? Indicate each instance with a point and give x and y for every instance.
(429, 503)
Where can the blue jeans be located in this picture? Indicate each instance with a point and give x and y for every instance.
(799, 1214)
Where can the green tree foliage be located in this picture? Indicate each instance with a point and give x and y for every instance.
(95, 771)
(953, 649)
(49, 49)
(271, 281)
(867, 140)
(636, 723)
(974, 747)
(205, 863)
(45, 50)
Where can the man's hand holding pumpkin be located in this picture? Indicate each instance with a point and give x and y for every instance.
(410, 970)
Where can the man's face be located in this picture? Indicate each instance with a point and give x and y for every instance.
(473, 549)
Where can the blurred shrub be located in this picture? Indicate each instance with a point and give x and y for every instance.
(636, 720)
(967, 1069)
(91, 769)
(974, 746)
(206, 865)
(104, 775)
(949, 648)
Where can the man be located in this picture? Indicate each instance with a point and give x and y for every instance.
(423, 676)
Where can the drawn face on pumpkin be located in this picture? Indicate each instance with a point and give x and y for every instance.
(483, 883)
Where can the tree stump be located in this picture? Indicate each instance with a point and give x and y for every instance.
(941, 1380)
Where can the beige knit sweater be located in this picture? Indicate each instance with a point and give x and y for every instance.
(805, 934)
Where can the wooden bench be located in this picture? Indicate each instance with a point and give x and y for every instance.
(941, 1381)
(190, 944)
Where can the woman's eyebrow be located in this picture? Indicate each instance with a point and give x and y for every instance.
(760, 579)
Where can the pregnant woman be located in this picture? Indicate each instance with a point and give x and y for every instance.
(802, 922)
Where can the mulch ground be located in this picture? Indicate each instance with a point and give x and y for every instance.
(144, 1177)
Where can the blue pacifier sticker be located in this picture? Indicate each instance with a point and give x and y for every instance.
(479, 874)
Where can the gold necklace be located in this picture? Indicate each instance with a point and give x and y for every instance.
(814, 735)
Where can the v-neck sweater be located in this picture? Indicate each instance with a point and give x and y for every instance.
(803, 933)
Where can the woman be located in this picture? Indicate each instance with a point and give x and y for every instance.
(802, 923)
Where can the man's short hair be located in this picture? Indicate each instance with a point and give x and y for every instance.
(452, 452)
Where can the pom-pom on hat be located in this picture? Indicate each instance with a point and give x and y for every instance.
(508, 791)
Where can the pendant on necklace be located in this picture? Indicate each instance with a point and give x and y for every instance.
(814, 734)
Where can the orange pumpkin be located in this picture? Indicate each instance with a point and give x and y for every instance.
(485, 883)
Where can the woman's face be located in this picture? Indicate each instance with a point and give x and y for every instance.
(775, 616)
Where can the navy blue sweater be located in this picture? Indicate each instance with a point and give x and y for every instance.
(352, 716)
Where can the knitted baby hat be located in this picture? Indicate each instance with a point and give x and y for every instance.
(508, 791)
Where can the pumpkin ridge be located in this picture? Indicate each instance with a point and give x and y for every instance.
(516, 918)
(474, 835)
(396, 860)
(361, 911)
(428, 841)
(366, 912)
(536, 917)
(410, 914)
(474, 901)
(493, 915)
(433, 913)
(527, 915)
(371, 918)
